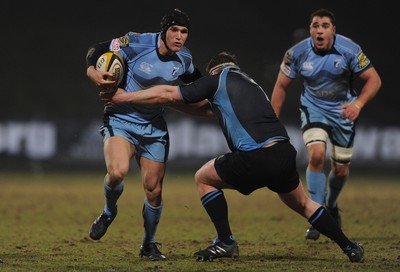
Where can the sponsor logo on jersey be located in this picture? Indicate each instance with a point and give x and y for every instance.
(362, 60)
(307, 66)
(287, 59)
(121, 42)
(146, 67)
(115, 45)
(285, 69)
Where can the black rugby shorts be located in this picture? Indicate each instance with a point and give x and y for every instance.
(273, 167)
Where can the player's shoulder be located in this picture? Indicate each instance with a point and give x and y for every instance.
(302, 47)
(133, 39)
(345, 44)
(142, 38)
(185, 54)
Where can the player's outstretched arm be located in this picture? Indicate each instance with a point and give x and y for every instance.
(159, 94)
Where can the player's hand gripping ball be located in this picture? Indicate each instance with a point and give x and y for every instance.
(112, 62)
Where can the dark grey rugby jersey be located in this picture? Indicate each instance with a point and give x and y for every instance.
(243, 109)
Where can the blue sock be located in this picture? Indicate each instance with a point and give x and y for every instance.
(111, 197)
(316, 186)
(151, 216)
(335, 185)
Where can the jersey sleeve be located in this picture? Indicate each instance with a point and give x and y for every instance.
(294, 56)
(188, 78)
(360, 62)
(203, 88)
(288, 66)
(95, 51)
(121, 42)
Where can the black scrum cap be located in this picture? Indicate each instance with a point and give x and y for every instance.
(176, 17)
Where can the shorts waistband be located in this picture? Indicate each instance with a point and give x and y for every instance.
(273, 143)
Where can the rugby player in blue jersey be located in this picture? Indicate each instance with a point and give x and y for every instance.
(261, 153)
(329, 106)
(140, 130)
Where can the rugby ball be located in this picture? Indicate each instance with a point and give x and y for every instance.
(112, 62)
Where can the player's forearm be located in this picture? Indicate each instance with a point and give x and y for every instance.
(160, 94)
(277, 99)
(371, 86)
(369, 91)
(279, 92)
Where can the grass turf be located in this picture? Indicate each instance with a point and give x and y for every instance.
(45, 220)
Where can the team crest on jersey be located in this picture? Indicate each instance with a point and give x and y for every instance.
(175, 71)
(337, 63)
(362, 60)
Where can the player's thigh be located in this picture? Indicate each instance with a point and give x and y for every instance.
(315, 135)
(117, 153)
(315, 139)
(208, 175)
(152, 173)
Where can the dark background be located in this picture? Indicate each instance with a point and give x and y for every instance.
(44, 43)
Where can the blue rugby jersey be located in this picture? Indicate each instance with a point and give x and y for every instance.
(328, 77)
(145, 68)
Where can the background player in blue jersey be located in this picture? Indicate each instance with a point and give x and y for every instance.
(329, 106)
(140, 130)
(262, 155)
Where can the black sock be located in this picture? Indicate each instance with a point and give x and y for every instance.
(215, 204)
(325, 224)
